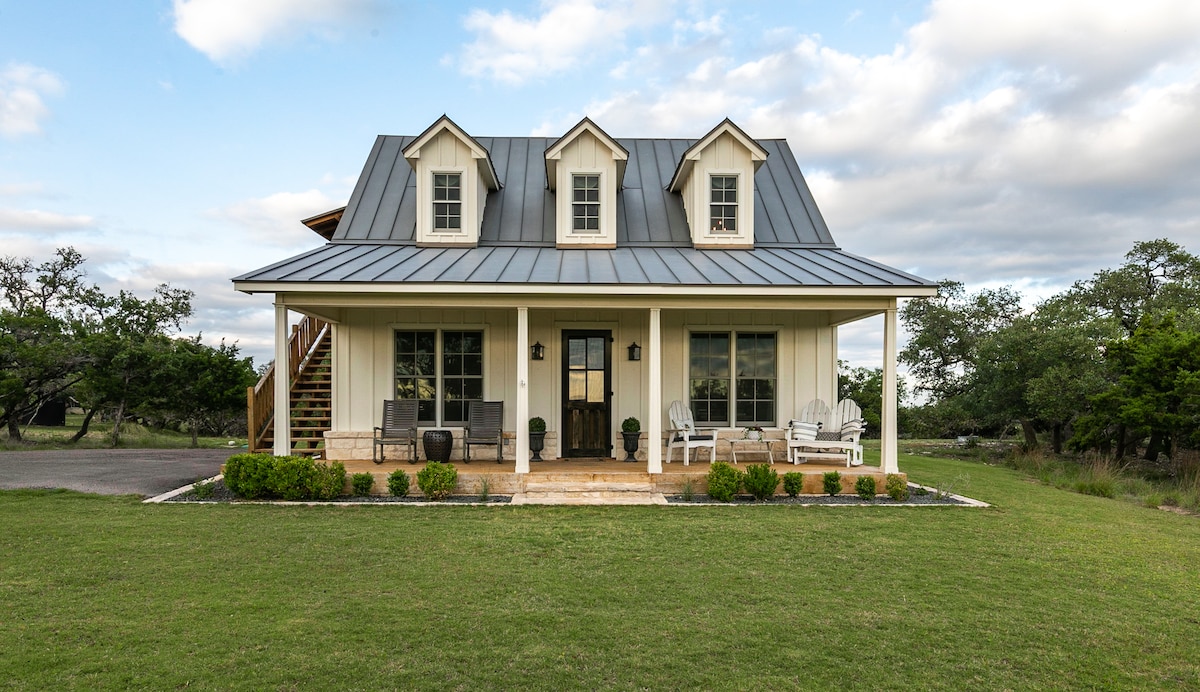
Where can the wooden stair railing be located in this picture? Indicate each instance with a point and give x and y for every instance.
(309, 382)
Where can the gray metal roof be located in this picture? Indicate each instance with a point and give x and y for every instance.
(383, 204)
(369, 263)
(374, 242)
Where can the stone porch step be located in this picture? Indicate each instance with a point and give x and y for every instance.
(588, 497)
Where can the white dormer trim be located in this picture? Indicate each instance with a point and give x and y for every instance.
(585, 150)
(445, 148)
(725, 151)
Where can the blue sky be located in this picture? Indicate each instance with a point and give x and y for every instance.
(1026, 142)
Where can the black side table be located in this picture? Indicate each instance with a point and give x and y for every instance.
(438, 444)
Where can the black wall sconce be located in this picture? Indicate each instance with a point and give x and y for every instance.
(538, 351)
(635, 351)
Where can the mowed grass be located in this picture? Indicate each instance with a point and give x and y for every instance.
(1047, 589)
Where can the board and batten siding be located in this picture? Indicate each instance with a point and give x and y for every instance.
(364, 357)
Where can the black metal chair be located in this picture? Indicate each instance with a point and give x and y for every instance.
(399, 428)
(485, 426)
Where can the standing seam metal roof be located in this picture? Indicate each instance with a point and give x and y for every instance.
(374, 241)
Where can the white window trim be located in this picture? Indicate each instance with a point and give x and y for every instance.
(733, 335)
(737, 205)
(437, 362)
(599, 230)
(462, 202)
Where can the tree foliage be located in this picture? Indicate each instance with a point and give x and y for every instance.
(118, 355)
(1112, 357)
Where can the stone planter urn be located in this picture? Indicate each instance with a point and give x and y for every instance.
(631, 445)
(537, 442)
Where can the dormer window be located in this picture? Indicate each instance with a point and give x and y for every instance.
(454, 175)
(723, 207)
(715, 179)
(584, 169)
(447, 202)
(585, 203)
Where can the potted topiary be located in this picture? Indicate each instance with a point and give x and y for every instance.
(537, 437)
(631, 431)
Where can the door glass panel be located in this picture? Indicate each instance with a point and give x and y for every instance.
(577, 385)
(595, 353)
(595, 386)
(577, 353)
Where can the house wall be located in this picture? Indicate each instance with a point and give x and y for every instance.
(363, 347)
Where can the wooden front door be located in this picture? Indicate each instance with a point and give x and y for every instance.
(587, 393)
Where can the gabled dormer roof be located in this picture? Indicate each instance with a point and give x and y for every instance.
(555, 150)
(487, 170)
(686, 162)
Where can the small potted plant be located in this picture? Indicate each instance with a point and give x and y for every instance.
(754, 433)
(537, 437)
(631, 431)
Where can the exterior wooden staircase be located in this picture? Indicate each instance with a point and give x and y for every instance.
(309, 371)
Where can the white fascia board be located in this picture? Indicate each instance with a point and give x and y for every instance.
(587, 289)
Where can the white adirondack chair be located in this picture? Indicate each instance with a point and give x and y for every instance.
(816, 411)
(847, 421)
(685, 435)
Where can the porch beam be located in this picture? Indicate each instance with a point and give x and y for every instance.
(654, 394)
(887, 444)
(283, 385)
(522, 450)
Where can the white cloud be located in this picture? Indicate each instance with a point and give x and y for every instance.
(23, 89)
(228, 30)
(275, 219)
(514, 49)
(37, 220)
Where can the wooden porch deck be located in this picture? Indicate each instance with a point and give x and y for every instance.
(601, 475)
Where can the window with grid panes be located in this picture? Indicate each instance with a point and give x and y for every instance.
(732, 378)
(723, 204)
(447, 202)
(585, 203)
(459, 382)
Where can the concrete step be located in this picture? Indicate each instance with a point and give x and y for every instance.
(588, 497)
(577, 486)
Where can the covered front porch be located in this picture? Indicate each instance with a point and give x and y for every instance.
(527, 357)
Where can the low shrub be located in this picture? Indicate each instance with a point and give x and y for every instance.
(293, 477)
(831, 481)
(361, 483)
(485, 488)
(793, 483)
(865, 486)
(723, 481)
(329, 480)
(249, 475)
(760, 481)
(437, 480)
(896, 487)
(688, 489)
(203, 490)
(398, 483)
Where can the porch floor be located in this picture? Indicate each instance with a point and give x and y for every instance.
(601, 475)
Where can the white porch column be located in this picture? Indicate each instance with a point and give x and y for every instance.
(522, 450)
(283, 423)
(887, 433)
(654, 391)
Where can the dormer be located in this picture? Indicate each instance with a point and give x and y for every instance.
(454, 174)
(715, 178)
(584, 170)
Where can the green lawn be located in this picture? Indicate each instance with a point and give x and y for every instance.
(99, 436)
(1048, 589)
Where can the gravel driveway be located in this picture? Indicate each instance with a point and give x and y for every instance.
(111, 471)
